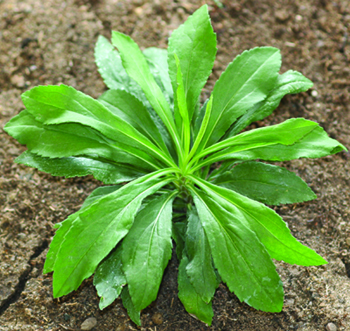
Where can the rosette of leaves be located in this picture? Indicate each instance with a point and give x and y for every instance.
(150, 130)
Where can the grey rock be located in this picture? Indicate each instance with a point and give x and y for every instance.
(89, 323)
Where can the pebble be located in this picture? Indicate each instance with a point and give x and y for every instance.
(281, 15)
(157, 318)
(331, 327)
(314, 93)
(348, 241)
(289, 302)
(18, 80)
(89, 323)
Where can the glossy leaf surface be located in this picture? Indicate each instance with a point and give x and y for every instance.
(266, 183)
(266, 223)
(241, 259)
(194, 42)
(147, 250)
(108, 173)
(200, 268)
(246, 81)
(109, 278)
(98, 229)
(288, 83)
(191, 300)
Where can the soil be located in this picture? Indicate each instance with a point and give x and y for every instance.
(49, 42)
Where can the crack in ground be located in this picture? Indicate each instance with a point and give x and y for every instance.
(23, 279)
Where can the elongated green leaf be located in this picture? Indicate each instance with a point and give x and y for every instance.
(133, 313)
(199, 118)
(246, 81)
(110, 67)
(290, 82)
(99, 193)
(313, 145)
(191, 300)
(147, 250)
(71, 139)
(266, 223)
(98, 229)
(286, 133)
(64, 104)
(241, 259)
(200, 267)
(266, 183)
(56, 243)
(108, 173)
(65, 226)
(137, 68)
(183, 123)
(202, 129)
(131, 110)
(109, 278)
(157, 60)
(194, 42)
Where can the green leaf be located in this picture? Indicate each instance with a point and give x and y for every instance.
(131, 110)
(147, 250)
(137, 68)
(313, 145)
(63, 104)
(290, 82)
(246, 81)
(68, 167)
(109, 278)
(241, 259)
(202, 129)
(110, 67)
(183, 124)
(266, 223)
(286, 133)
(157, 60)
(71, 139)
(194, 42)
(191, 300)
(98, 229)
(99, 193)
(266, 183)
(66, 225)
(200, 268)
(133, 313)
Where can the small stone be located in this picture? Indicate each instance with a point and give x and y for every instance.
(18, 80)
(298, 18)
(314, 93)
(289, 302)
(139, 11)
(320, 43)
(348, 241)
(157, 318)
(281, 15)
(89, 323)
(331, 327)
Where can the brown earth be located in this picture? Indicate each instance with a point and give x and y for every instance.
(49, 42)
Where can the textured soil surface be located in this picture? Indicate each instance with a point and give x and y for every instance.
(49, 42)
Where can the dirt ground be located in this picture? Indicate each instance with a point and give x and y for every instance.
(49, 42)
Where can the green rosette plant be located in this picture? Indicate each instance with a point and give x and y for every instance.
(150, 130)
